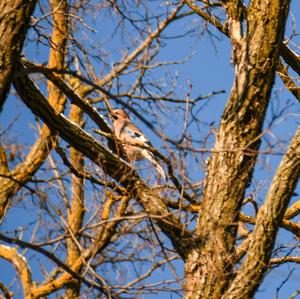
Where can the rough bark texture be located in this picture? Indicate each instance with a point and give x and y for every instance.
(76, 209)
(209, 267)
(267, 223)
(14, 22)
(22, 173)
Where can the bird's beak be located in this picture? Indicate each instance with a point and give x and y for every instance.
(108, 114)
(111, 116)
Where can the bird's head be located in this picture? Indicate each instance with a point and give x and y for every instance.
(117, 114)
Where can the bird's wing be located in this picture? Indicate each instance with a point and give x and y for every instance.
(135, 135)
(149, 156)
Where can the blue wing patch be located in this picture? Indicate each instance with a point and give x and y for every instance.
(138, 136)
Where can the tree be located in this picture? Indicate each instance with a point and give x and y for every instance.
(15, 19)
(97, 226)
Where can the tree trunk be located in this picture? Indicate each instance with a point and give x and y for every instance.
(210, 267)
(14, 22)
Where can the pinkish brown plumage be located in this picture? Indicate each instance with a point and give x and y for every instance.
(129, 134)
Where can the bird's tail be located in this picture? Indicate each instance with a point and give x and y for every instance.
(149, 156)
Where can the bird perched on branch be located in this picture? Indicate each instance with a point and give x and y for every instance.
(136, 145)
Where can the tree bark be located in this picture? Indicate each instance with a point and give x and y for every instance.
(76, 209)
(267, 224)
(209, 268)
(22, 173)
(14, 22)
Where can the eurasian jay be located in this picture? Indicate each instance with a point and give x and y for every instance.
(128, 133)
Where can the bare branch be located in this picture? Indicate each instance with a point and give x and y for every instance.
(20, 263)
(268, 221)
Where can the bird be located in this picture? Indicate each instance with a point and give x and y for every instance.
(131, 137)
